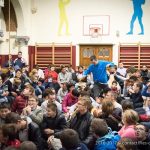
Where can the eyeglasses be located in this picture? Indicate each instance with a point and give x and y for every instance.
(141, 129)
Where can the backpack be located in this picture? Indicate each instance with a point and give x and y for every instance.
(108, 142)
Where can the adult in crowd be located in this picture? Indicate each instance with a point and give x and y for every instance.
(20, 61)
(100, 77)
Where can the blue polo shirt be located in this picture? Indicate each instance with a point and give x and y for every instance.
(98, 71)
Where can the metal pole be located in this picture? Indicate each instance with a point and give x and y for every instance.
(9, 30)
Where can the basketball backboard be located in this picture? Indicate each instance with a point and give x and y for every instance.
(101, 22)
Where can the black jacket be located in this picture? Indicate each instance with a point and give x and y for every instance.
(137, 99)
(34, 135)
(82, 125)
(57, 124)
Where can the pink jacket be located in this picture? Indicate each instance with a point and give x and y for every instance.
(68, 101)
(128, 132)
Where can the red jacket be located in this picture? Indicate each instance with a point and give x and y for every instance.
(51, 74)
(144, 117)
(19, 103)
(15, 143)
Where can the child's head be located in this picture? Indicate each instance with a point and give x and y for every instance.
(28, 145)
(64, 86)
(74, 94)
(28, 90)
(126, 144)
(114, 84)
(80, 69)
(15, 118)
(130, 117)
(137, 86)
(127, 104)
(69, 139)
(51, 96)
(46, 93)
(9, 131)
(4, 109)
(33, 102)
(51, 110)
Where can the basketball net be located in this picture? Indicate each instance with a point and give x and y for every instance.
(95, 32)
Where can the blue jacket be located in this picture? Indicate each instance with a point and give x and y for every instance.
(145, 92)
(81, 146)
(98, 71)
(107, 142)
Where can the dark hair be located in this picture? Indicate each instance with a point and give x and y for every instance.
(5, 105)
(69, 139)
(85, 93)
(69, 85)
(127, 104)
(75, 92)
(62, 67)
(93, 57)
(139, 85)
(145, 126)
(12, 117)
(36, 66)
(20, 52)
(80, 67)
(133, 78)
(52, 65)
(28, 145)
(131, 69)
(51, 92)
(114, 82)
(99, 127)
(18, 70)
(52, 106)
(9, 130)
(46, 92)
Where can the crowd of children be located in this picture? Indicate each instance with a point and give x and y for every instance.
(58, 109)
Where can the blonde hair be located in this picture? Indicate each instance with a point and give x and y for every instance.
(31, 89)
(34, 71)
(87, 101)
(130, 117)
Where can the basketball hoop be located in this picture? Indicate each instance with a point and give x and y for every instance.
(95, 32)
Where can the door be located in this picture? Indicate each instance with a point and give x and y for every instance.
(102, 52)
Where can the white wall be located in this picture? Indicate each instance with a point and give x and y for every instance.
(43, 25)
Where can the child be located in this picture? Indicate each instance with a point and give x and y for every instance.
(33, 111)
(4, 110)
(136, 95)
(62, 92)
(21, 101)
(9, 134)
(3, 91)
(69, 100)
(115, 87)
(53, 121)
(28, 130)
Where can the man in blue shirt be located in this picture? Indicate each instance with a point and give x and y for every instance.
(100, 77)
